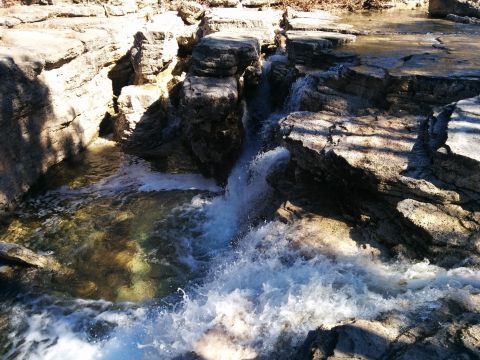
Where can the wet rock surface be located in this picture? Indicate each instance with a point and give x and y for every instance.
(211, 113)
(451, 330)
(20, 255)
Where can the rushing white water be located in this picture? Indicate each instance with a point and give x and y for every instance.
(260, 295)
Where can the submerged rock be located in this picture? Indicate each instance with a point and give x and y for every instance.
(17, 254)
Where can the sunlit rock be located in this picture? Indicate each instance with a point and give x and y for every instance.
(261, 24)
(457, 7)
(190, 11)
(18, 254)
(211, 113)
(225, 54)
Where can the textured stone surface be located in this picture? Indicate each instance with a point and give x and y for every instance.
(55, 91)
(133, 102)
(261, 24)
(190, 11)
(384, 155)
(449, 331)
(155, 46)
(464, 129)
(306, 47)
(225, 53)
(457, 7)
(212, 120)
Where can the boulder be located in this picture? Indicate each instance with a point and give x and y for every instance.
(458, 7)
(448, 331)
(133, 103)
(225, 53)
(385, 156)
(211, 114)
(18, 254)
(155, 46)
(190, 12)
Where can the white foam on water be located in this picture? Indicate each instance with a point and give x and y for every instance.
(265, 294)
(246, 190)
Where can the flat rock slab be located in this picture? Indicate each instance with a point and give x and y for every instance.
(464, 129)
(51, 48)
(263, 23)
(225, 53)
(304, 47)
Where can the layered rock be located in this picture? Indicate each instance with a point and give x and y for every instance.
(307, 47)
(316, 21)
(155, 46)
(384, 158)
(225, 53)
(261, 24)
(407, 72)
(56, 90)
(211, 113)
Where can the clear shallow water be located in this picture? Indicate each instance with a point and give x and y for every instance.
(223, 287)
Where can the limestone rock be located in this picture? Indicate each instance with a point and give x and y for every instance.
(155, 46)
(457, 7)
(463, 19)
(261, 24)
(225, 54)
(55, 88)
(464, 129)
(223, 3)
(397, 336)
(190, 12)
(378, 154)
(306, 47)
(18, 254)
(212, 120)
(133, 102)
(259, 3)
(316, 21)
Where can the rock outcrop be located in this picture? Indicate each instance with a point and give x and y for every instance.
(56, 89)
(450, 331)
(381, 156)
(211, 112)
(457, 7)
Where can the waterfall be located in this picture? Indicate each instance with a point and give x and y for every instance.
(257, 294)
